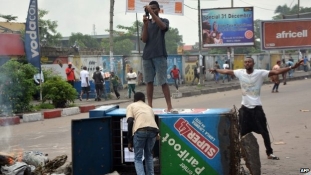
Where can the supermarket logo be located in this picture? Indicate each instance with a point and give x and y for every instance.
(196, 138)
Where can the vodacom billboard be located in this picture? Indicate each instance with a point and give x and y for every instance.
(286, 34)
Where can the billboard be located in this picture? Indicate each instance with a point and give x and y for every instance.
(226, 27)
(285, 34)
(172, 7)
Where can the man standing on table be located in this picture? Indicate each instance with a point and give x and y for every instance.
(251, 114)
(142, 133)
(155, 55)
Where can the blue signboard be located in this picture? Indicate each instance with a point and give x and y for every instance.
(171, 61)
(225, 27)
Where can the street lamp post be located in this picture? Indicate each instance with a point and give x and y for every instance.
(200, 44)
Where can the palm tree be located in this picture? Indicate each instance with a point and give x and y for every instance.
(9, 17)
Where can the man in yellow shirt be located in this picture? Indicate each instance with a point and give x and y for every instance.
(142, 133)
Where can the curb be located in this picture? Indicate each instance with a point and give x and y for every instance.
(5, 121)
(40, 116)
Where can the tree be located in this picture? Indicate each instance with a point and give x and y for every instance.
(121, 47)
(16, 87)
(47, 30)
(83, 41)
(285, 10)
(8, 17)
(129, 33)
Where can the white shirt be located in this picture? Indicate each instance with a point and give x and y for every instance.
(225, 66)
(38, 76)
(131, 75)
(251, 85)
(83, 75)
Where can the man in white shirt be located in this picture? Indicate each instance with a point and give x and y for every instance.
(226, 66)
(131, 81)
(251, 114)
(85, 83)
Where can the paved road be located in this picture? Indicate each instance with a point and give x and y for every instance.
(288, 125)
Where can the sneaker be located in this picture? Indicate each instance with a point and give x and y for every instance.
(273, 157)
(118, 97)
(95, 99)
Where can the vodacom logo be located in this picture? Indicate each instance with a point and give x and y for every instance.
(32, 29)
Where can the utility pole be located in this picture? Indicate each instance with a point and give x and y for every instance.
(200, 44)
(111, 34)
(230, 50)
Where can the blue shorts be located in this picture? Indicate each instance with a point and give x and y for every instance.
(155, 66)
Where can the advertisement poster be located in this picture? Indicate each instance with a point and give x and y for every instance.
(190, 64)
(226, 27)
(172, 7)
(171, 61)
(116, 65)
(190, 146)
(56, 64)
(286, 34)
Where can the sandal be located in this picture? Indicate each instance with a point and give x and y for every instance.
(273, 157)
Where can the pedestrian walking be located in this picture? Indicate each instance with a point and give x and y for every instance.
(85, 83)
(70, 74)
(216, 75)
(251, 114)
(114, 80)
(99, 83)
(226, 66)
(142, 133)
(175, 75)
(38, 79)
(155, 55)
(196, 73)
(275, 78)
(131, 81)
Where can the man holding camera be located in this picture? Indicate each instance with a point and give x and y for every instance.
(70, 72)
(155, 55)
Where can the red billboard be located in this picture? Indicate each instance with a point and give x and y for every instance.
(286, 34)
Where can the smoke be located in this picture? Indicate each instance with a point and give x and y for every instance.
(5, 138)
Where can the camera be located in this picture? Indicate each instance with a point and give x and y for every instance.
(147, 13)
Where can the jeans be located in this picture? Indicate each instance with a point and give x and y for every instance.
(155, 68)
(131, 88)
(143, 144)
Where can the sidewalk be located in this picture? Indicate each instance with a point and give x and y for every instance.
(185, 90)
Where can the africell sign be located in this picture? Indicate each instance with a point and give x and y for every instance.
(285, 34)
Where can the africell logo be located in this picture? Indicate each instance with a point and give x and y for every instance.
(196, 138)
(290, 34)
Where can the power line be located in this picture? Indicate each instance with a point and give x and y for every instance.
(257, 6)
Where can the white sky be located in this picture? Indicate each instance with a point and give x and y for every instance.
(80, 15)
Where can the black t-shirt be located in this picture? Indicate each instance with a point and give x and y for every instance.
(98, 77)
(155, 44)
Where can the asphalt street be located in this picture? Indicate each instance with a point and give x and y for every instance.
(288, 114)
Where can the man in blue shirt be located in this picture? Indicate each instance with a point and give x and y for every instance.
(155, 55)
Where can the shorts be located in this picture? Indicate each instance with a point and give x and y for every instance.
(86, 89)
(155, 66)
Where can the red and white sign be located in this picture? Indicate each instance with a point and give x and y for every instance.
(286, 34)
(196, 138)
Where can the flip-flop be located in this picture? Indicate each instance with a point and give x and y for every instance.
(273, 157)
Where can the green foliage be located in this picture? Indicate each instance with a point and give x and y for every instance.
(16, 86)
(58, 91)
(286, 10)
(83, 41)
(43, 106)
(8, 18)
(48, 30)
(126, 36)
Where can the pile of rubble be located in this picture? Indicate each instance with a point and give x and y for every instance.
(33, 163)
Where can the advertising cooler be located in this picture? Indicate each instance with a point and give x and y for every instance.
(192, 142)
